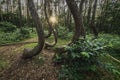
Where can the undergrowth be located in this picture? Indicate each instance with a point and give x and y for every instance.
(16, 36)
(87, 59)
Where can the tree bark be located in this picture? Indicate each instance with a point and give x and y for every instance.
(20, 14)
(36, 50)
(0, 12)
(85, 10)
(7, 2)
(80, 11)
(92, 24)
(49, 25)
(79, 30)
(89, 11)
(51, 29)
(55, 37)
(28, 16)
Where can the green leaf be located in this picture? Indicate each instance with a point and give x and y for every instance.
(85, 54)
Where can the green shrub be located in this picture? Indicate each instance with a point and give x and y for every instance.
(109, 21)
(7, 27)
(89, 56)
(63, 32)
(25, 33)
(13, 18)
(80, 57)
(14, 36)
(113, 43)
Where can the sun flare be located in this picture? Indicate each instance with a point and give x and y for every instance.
(53, 19)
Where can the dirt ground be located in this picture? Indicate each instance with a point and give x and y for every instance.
(40, 67)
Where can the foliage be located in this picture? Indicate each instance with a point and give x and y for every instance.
(7, 27)
(63, 32)
(109, 20)
(81, 56)
(25, 33)
(12, 18)
(89, 55)
(85, 49)
(14, 36)
(111, 65)
(112, 43)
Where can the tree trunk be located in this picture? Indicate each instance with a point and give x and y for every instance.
(20, 14)
(51, 30)
(36, 50)
(49, 25)
(85, 10)
(28, 17)
(92, 24)
(80, 11)
(55, 37)
(1, 13)
(77, 18)
(7, 2)
(89, 11)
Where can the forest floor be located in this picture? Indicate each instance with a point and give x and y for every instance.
(40, 67)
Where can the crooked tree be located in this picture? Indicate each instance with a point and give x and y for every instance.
(79, 29)
(47, 19)
(50, 27)
(38, 25)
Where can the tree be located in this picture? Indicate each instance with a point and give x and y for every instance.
(92, 24)
(51, 29)
(79, 30)
(108, 19)
(20, 14)
(89, 11)
(37, 49)
(7, 2)
(28, 15)
(1, 10)
(47, 18)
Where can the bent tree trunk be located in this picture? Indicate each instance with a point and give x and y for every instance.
(55, 38)
(51, 30)
(36, 50)
(49, 25)
(77, 18)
